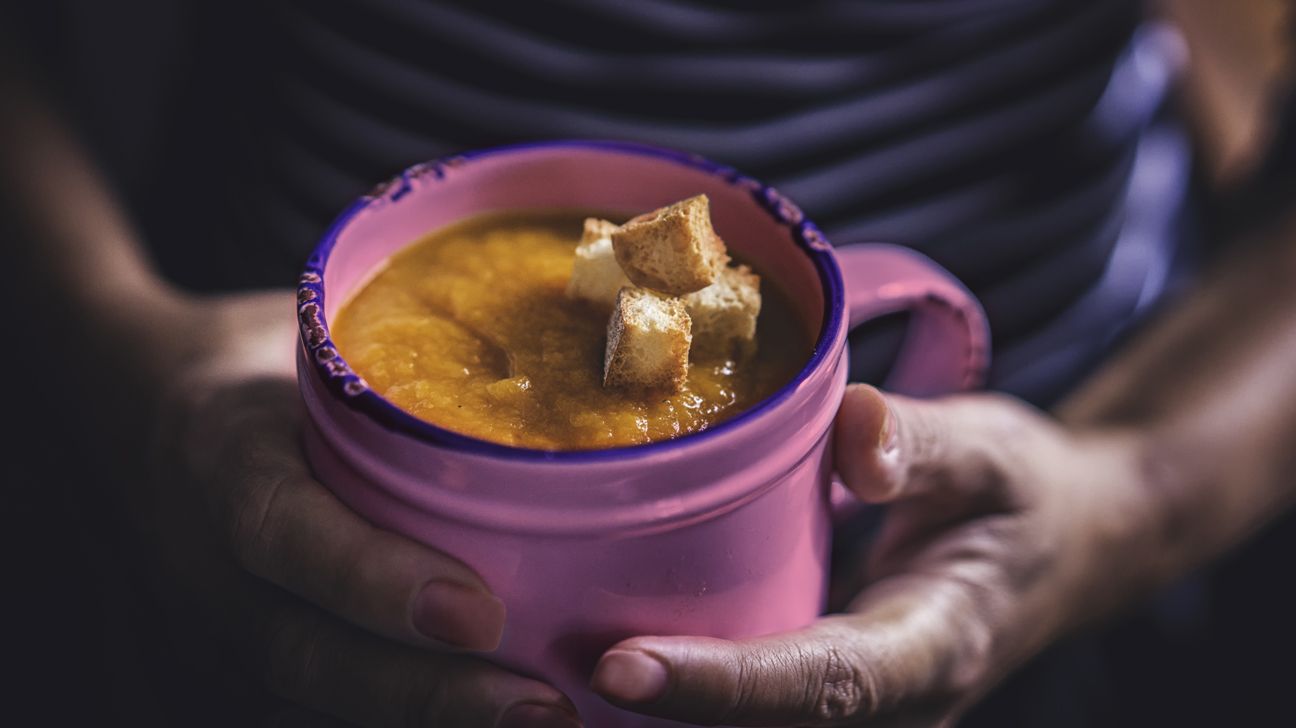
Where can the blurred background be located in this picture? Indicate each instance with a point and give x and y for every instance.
(1075, 163)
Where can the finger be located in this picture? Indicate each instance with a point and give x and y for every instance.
(285, 527)
(890, 447)
(328, 666)
(865, 444)
(899, 661)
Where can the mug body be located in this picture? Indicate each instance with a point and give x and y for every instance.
(722, 533)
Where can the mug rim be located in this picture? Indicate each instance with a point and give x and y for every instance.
(327, 362)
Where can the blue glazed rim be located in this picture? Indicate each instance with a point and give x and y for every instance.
(341, 380)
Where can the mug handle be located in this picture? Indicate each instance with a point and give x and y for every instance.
(947, 346)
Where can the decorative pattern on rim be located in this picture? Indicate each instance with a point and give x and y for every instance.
(356, 393)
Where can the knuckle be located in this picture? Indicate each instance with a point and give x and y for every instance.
(251, 521)
(973, 607)
(842, 688)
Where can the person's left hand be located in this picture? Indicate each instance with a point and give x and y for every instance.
(1004, 530)
(261, 563)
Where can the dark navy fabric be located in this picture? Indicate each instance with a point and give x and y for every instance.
(1021, 143)
(1001, 137)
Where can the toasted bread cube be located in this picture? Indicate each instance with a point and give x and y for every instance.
(596, 277)
(724, 314)
(673, 250)
(648, 341)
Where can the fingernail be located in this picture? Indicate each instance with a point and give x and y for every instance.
(630, 676)
(459, 615)
(535, 715)
(887, 433)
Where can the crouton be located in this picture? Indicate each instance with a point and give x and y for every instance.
(596, 277)
(724, 314)
(648, 341)
(673, 250)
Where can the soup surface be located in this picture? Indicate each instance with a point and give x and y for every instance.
(470, 329)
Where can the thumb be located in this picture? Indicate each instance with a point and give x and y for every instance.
(895, 663)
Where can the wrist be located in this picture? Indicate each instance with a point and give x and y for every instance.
(142, 331)
(118, 346)
(1126, 542)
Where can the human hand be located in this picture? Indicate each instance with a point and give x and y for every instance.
(1004, 530)
(327, 610)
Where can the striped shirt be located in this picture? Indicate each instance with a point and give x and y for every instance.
(1020, 143)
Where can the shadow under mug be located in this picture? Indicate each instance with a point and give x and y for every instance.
(723, 533)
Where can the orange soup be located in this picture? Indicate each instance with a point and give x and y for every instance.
(470, 329)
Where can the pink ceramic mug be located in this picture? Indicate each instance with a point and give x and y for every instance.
(722, 533)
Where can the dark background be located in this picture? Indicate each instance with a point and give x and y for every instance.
(89, 642)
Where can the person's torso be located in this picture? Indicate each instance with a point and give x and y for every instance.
(1014, 141)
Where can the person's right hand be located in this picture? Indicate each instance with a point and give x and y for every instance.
(326, 610)
(1005, 529)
